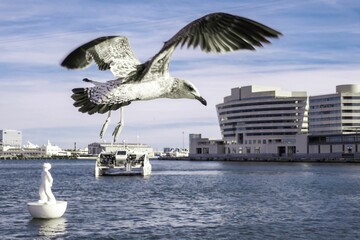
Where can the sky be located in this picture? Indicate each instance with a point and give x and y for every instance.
(319, 49)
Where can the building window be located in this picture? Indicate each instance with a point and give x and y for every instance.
(291, 149)
(205, 150)
(240, 139)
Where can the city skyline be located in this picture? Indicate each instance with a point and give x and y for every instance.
(319, 50)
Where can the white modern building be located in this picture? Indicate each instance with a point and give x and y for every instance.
(53, 150)
(337, 113)
(31, 150)
(46, 150)
(10, 138)
(263, 122)
(258, 119)
(334, 121)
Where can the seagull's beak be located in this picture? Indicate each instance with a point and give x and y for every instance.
(201, 99)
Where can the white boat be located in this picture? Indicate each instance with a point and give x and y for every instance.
(124, 162)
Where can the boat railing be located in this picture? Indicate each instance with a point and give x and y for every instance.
(110, 160)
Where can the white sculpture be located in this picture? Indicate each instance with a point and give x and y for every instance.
(46, 195)
(47, 207)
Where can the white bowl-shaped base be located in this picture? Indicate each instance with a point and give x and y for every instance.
(47, 211)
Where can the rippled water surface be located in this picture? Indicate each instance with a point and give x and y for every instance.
(186, 200)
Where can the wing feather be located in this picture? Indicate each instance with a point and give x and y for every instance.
(213, 33)
(110, 52)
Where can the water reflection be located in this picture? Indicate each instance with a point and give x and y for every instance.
(190, 172)
(49, 227)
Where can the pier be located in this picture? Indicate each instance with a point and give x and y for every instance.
(325, 158)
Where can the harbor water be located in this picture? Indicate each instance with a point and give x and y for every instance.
(186, 200)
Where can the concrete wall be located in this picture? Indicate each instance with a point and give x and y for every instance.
(334, 148)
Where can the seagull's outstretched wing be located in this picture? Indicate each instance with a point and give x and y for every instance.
(215, 32)
(111, 52)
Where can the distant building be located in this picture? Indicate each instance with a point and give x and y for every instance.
(52, 150)
(97, 148)
(31, 150)
(175, 152)
(194, 136)
(334, 121)
(199, 145)
(46, 150)
(257, 119)
(265, 120)
(337, 113)
(334, 143)
(10, 138)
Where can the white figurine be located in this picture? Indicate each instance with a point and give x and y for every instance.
(46, 196)
(47, 207)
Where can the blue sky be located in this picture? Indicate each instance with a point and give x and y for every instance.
(319, 50)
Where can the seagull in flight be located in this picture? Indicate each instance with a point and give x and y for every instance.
(136, 81)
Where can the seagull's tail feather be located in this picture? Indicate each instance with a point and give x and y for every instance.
(85, 105)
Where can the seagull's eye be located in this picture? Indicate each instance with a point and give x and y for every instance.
(190, 88)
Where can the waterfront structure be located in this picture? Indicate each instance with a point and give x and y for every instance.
(334, 121)
(97, 148)
(265, 123)
(46, 150)
(31, 150)
(10, 139)
(337, 113)
(200, 145)
(344, 144)
(54, 150)
(259, 119)
(176, 152)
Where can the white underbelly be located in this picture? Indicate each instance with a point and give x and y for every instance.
(105, 94)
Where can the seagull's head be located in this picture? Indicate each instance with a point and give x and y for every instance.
(188, 90)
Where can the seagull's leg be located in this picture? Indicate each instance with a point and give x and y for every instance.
(106, 124)
(119, 125)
